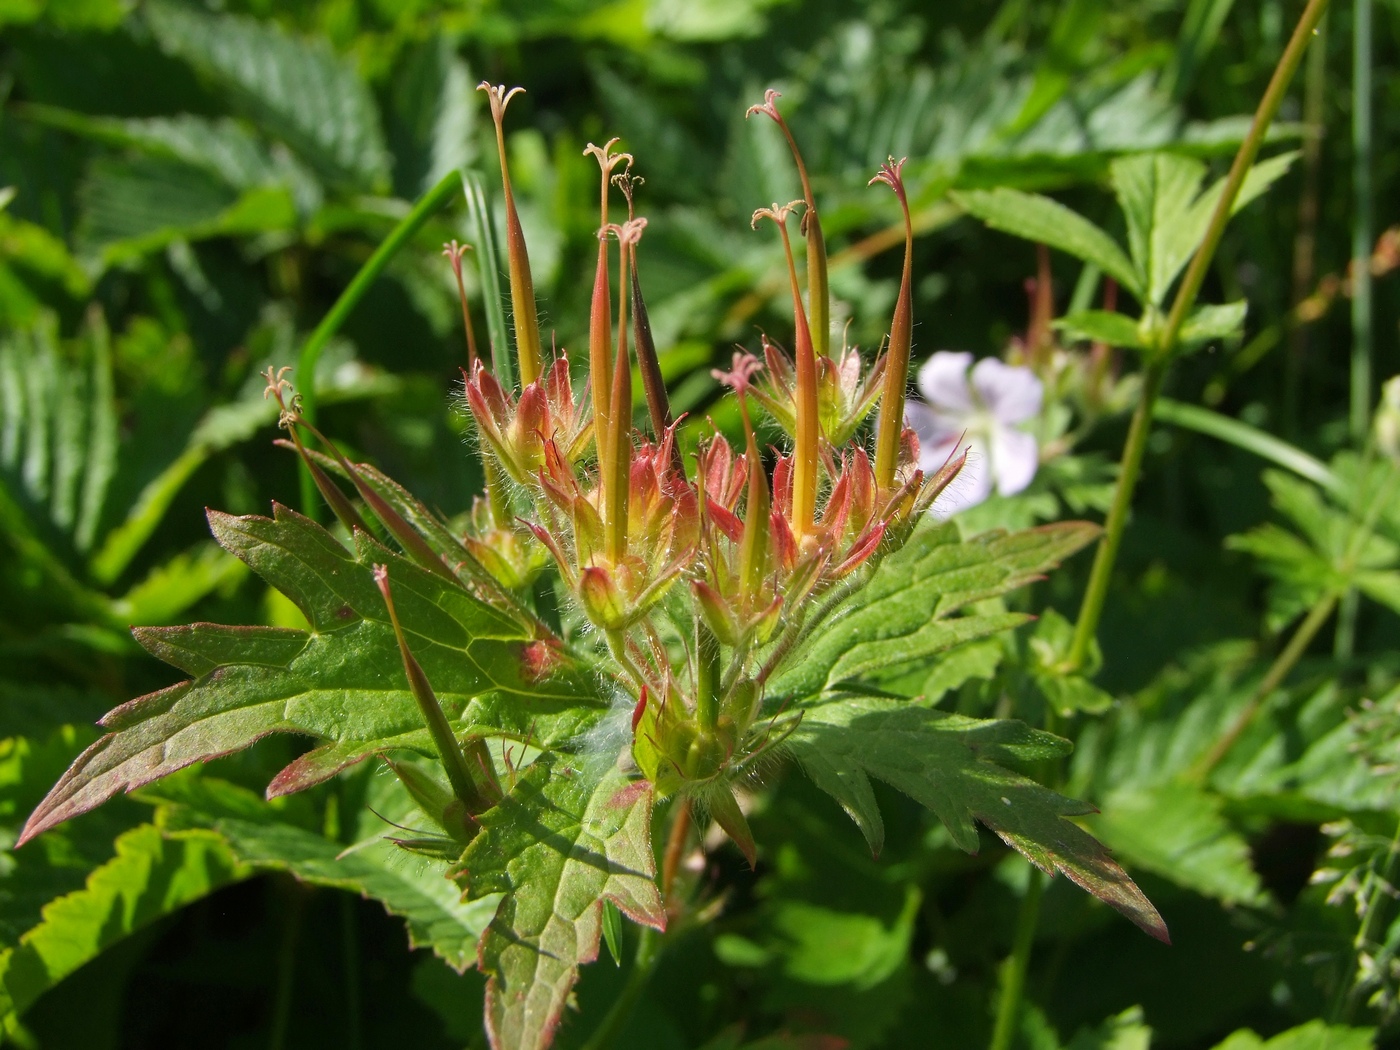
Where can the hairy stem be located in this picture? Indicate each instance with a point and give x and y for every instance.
(675, 848)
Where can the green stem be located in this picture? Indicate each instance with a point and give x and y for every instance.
(1244, 160)
(1362, 234)
(1128, 469)
(1131, 463)
(354, 292)
(1278, 671)
(1013, 971)
(1305, 242)
(643, 966)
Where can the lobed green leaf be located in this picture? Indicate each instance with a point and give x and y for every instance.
(948, 763)
(1045, 221)
(342, 682)
(904, 612)
(563, 841)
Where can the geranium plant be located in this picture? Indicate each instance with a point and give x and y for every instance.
(619, 636)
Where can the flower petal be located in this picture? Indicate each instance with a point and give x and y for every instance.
(936, 431)
(1011, 394)
(974, 482)
(943, 380)
(1015, 457)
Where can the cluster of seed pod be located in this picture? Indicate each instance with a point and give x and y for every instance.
(697, 578)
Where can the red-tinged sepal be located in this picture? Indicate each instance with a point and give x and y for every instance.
(864, 546)
(517, 430)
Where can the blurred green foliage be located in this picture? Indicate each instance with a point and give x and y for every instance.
(193, 186)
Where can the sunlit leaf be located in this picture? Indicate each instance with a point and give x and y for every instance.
(949, 764)
(565, 839)
(905, 612)
(340, 683)
(1045, 221)
(151, 876)
(298, 90)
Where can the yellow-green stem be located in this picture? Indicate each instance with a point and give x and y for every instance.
(804, 457)
(707, 676)
(1244, 160)
(891, 425)
(1092, 607)
(1273, 678)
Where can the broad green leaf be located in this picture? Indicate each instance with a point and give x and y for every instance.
(30, 878)
(134, 206)
(1155, 191)
(412, 887)
(1103, 326)
(1166, 219)
(564, 840)
(433, 106)
(29, 251)
(1177, 831)
(979, 659)
(1206, 324)
(904, 612)
(1049, 646)
(340, 683)
(949, 764)
(1072, 693)
(1315, 1035)
(1045, 221)
(142, 197)
(151, 876)
(298, 90)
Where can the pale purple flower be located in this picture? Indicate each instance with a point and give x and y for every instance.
(982, 410)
